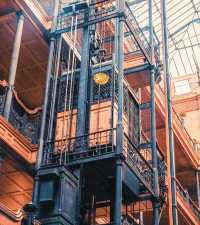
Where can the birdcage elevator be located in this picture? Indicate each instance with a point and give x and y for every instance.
(98, 160)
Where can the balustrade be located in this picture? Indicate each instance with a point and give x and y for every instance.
(87, 146)
(28, 124)
(186, 197)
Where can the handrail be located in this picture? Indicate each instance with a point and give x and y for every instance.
(136, 161)
(177, 118)
(4, 83)
(142, 157)
(88, 134)
(158, 148)
(25, 120)
(185, 194)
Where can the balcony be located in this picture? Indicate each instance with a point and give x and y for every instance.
(24, 120)
(21, 133)
(186, 204)
(181, 134)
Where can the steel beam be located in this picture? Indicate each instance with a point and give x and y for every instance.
(83, 83)
(118, 192)
(13, 65)
(55, 88)
(46, 95)
(170, 136)
(156, 204)
(119, 60)
(45, 105)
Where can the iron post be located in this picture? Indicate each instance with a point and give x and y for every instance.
(118, 192)
(153, 120)
(119, 56)
(13, 64)
(83, 82)
(169, 110)
(54, 94)
(46, 95)
(47, 86)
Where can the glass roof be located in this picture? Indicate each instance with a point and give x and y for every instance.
(183, 28)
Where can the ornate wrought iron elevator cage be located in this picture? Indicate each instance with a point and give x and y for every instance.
(97, 128)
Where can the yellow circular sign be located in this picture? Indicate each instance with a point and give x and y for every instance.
(101, 78)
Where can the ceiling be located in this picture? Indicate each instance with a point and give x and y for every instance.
(16, 185)
(30, 77)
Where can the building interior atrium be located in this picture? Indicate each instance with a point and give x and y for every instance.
(99, 112)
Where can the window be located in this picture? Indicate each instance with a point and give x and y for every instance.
(182, 87)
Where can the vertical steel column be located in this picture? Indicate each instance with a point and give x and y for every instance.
(53, 102)
(198, 188)
(153, 120)
(119, 50)
(46, 95)
(118, 192)
(169, 110)
(120, 64)
(13, 64)
(83, 82)
(154, 151)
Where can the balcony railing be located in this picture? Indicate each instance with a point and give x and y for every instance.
(141, 161)
(138, 163)
(178, 120)
(185, 196)
(97, 145)
(87, 146)
(26, 123)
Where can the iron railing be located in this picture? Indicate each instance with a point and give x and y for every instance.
(178, 120)
(28, 125)
(97, 144)
(145, 150)
(186, 197)
(138, 163)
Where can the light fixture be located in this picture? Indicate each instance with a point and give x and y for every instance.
(101, 78)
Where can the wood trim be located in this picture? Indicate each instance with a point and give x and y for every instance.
(192, 102)
(14, 216)
(17, 142)
(29, 111)
(178, 131)
(186, 211)
(4, 83)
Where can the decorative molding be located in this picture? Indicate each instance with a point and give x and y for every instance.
(17, 142)
(4, 83)
(14, 216)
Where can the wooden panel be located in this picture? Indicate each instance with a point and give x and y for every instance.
(100, 118)
(17, 142)
(65, 128)
(134, 61)
(16, 186)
